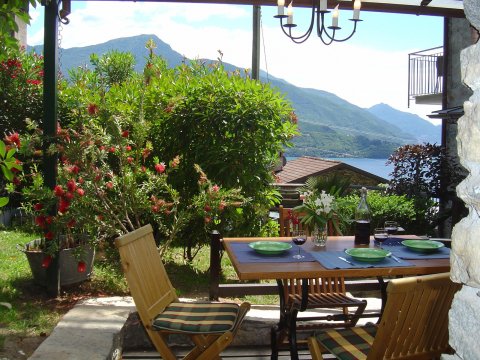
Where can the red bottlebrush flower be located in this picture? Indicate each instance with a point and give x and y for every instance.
(207, 208)
(71, 223)
(47, 260)
(71, 185)
(34, 82)
(143, 168)
(49, 219)
(38, 207)
(109, 185)
(13, 138)
(125, 133)
(128, 148)
(63, 206)
(160, 168)
(100, 217)
(130, 159)
(74, 169)
(207, 219)
(155, 208)
(69, 196)
(221, 206)
(215, 188)
(112, 149)
(92, 109)
(80, 192)
(81, 267)
(167, 211)
(81, 180)
(146, 153)
(102, 148)
(48, 235)
(58, 190)
(40, 221)
(16, 181)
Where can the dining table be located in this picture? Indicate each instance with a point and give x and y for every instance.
(250, 265)
(329, 261)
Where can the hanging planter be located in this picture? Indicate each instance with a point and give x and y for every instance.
(76, 263)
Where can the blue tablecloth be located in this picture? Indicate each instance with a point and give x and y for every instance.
(330, 260)
(245, 254)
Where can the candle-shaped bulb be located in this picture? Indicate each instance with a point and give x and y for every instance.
(335, 16)
(356, 9)
(323, 5)
(281, 7)
(290, 14)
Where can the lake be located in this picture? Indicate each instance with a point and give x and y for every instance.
(374, 166)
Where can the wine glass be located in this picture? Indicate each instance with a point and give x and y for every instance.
(391, 227)
(299, 238)
(380, 235)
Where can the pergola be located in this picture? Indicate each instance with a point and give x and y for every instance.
(58, 10)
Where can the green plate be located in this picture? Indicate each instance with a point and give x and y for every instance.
(270, 247)
(423, 245)
(367, 254)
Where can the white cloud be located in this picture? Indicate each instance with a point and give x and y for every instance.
(360, 75)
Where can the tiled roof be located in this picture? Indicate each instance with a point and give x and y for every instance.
(299, 169)
(303, 167)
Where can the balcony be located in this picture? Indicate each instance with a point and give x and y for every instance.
(425, 76)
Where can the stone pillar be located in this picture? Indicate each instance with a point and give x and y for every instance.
(464, 317)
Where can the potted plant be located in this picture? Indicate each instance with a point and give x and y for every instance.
(107, 185)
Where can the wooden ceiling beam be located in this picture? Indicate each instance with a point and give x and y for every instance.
(366, 6)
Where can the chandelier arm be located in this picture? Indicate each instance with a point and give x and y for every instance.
(332, 37)
(302, 38)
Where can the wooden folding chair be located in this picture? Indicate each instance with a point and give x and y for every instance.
(414, 324)
(211, 326)
(299, 295)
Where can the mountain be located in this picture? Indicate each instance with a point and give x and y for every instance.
(330, 126)
(422, 130)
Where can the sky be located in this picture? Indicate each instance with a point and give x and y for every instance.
(368, 69)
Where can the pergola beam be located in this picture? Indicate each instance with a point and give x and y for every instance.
(392, 6)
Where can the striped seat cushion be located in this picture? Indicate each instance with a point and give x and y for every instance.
(201, 318)
(348, 344)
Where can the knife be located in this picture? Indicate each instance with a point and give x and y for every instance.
(349, 262)
(395, 258)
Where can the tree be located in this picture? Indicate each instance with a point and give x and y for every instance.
(10, 11)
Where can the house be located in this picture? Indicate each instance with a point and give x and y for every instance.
(297, 171)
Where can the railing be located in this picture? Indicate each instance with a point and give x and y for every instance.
(425, 73)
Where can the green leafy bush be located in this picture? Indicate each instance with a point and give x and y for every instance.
(384, 207)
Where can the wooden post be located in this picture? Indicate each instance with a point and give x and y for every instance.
(215, 266)
(49, 125)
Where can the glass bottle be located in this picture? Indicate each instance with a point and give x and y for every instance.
(363, 215)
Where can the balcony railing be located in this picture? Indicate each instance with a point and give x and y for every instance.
(425, 75)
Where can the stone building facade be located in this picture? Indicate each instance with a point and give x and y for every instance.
(464, 318)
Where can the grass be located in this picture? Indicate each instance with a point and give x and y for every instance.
(33, 313)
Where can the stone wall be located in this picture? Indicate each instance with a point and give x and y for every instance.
(464, 318)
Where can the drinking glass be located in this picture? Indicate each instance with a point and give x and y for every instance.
(391, 227)
(299, 238)
(380, 235)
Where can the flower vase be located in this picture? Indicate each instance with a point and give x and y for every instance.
(320, 235)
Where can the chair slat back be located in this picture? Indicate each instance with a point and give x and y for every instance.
(415, 321)
(147, 279)
(288, 221)
(324, 285)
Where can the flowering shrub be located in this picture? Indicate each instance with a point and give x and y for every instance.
(317, 210)
(21, 84)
